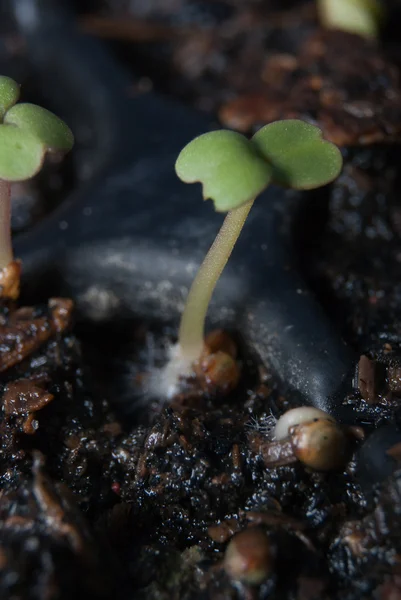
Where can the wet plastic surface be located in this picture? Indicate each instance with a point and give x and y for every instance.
(134, 230)
(375, 459)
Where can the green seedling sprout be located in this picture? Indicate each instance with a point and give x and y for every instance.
(27, 133)
(233, 171)
(362, 17)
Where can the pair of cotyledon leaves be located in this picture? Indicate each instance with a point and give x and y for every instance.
(234, 170)
(27, 132)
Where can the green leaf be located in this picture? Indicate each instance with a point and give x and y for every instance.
(9, 94)
(300, 157)
(21, 154)
(51, 131)
(228, 166)
(362, 17)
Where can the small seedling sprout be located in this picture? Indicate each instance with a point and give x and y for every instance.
(233, 172)
(27, 133)
(362, 17)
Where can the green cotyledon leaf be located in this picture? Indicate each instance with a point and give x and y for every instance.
(51, 131)
(9, 94)
(21, 154)
(228, 166)
(300, 158)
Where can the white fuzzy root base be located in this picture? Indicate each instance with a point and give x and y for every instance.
(167, 381)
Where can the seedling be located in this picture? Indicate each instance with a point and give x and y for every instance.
(233, 172)
(27, 133)
(362, 17)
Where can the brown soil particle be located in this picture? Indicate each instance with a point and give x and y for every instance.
(217, 372)
(10, 280)
(366, 379)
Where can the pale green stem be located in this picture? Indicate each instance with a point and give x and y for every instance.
(191, 333)
(6, 249)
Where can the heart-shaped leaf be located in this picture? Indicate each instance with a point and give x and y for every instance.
(9, 94)
(230, 169)
(300, 157)
(51, 131)
(21, 154)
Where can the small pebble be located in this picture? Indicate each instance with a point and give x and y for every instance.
(249, 557)
(218, 373)
(320, 444)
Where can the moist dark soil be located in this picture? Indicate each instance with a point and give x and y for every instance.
(107, 491)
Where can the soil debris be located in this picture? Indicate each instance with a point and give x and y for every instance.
(353, 97)
(23, 331)
(23, 397)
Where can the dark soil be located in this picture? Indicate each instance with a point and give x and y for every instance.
(107, 492)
